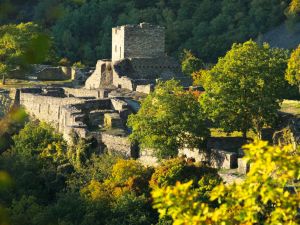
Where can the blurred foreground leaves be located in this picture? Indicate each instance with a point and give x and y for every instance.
(9, 125)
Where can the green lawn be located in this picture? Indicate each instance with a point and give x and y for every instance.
(218, 132)
(14, 83)
(291, 107)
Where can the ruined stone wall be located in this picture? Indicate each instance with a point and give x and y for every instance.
(147, 157)
(145, 88)
(101, 77)
(148, 68)
(85, 93)
(120, 144)
(152, 68)
(71, 121)
(123, 82)
(82, 117)
(129, 73)
(45, 108)
(216, 158)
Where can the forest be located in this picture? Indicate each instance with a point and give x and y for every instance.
(80, 30)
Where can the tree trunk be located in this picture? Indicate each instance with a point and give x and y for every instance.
(244, 134)
(3, 79)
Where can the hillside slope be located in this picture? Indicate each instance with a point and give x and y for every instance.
(283, 36)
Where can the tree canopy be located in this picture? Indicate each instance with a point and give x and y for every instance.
(190, 63)
(169, 118)
(21, 45)
(293, 69)
(82, 28)
(243, 90)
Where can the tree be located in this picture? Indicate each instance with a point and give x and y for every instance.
(268, 194)
(190, 63)
(21, 45)
(292, 74)
(125, 193)
(127, 176)
(244, 89)
(39, 139)
(169, 118)
(5, 183)
(178, 169)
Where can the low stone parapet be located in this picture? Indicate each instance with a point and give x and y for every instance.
(147, 158)
(216, 158)
(243, 166)
(117, 143)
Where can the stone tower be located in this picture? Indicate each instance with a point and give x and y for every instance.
(138, 41)
(138, 60)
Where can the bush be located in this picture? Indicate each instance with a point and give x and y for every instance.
(179, 170)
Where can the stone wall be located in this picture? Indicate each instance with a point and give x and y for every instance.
(85, 93)
(101, 77)
(147, 158)
(148, 68)
(158, 67)
(120, 144)
(215, 157)
(94, 80)
(147, 89)
(45, 108)
(144, 40)
(123, 82)
(130, 73)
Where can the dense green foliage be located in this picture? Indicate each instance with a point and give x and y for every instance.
(268, 195)
(169, 118)
(292, 74)
(49, 186)
(243, 90)
(179, 170)
(10, 124)
(190, 63)
(82, 28)
(21, 45)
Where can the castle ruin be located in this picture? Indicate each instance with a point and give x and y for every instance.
(100, 109)
(138, 60)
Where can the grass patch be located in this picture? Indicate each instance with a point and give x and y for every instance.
(14, 83)
(218, 132)
(291, 107)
